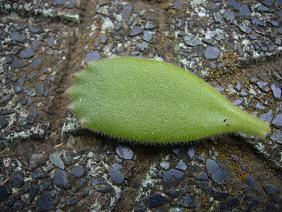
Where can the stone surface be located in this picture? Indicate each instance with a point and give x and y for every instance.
(60, 179)
(156, 200)
(212, 52)
(217, 171)
(124, 152)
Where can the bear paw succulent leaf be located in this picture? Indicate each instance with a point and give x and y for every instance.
(155, 102)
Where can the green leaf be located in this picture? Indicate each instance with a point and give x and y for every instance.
(155, 102)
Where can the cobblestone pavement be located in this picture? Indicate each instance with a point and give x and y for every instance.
(49, 162)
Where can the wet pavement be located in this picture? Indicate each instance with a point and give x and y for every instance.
(48, 162)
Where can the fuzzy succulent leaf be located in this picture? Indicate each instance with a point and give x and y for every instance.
(155, 102)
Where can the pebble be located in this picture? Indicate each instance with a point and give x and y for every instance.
(229, 15)
(270, 189)
(124, 152)
(92, 56)
(238, 86)
(217, 171)
(51, 42)
(3, 122)
(71, 201)
(192, 41)
(147, 36)
(35, 44)
(234, 4)
(250, 181)
(187, 201)
(101, 186)
(15, 36)
(277, 136)
(277, 121)
(38, 174)
(212, 52)
(244, 28)
(41, 88)
(56, 160)
(36, 160)
(60, 179)
(17, 181)
(181, 165)
(36, 62)
(202, 176)
(238, 102)
(44, 203)
(268, 116)
(141, 46)
(4, 193)
(77, 171)
(19, 83)
(165, 165)
(33, 192)
(276, 91)
(149, 25)
(30, 92)
(262, 85)
(17, 63)
(177, 4)
(244, 10)
(115, 174)
(172, 176)
(191, 153)
(136, 30)
(26, 53)
(156, 200)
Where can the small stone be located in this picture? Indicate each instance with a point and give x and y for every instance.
(17, 63)
(20, 27)
(44, 203)
(202, 176)
(212, 52)
(165, 165)
(278, 41)
(177, 4)
(38, 174)
(181, 165)
(277, 137)
(245, 28)
(259, 106)
(115, 174)
(279, 30)
(244, 10)
(41, 88)
(268, 3)
(217, 171)
(191, 153)
(77, 171)
(238, 86)
(232, 203)
(276, 91)
(59, 2)
(19, 84)
(262, 85)
(35, 44)
(262, 8)
(277, 121)
(238, 102)
(36, 62)
(33, 192)
(60, 179)
(192, 41)
(92, 56)
(136, 30)
(156, 200)
(17, 181)
(267, 116)
(36, 160)
(220, 195)
(30, 92)
(141, 46)
(172, 176)
(15, 36)
(234, 4)
(270, 189)
(148, 35)
(51, 42)
(253, 36)
(32, 75)
(100, 185)
(56, 160)
(26, 53)
(71, 201)
(3, 122)
(229, 15)
(149, 25)
(257, 22)
(127, 10)
(4, 193)
(187, 201)
(124, 152)
(250, 181)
